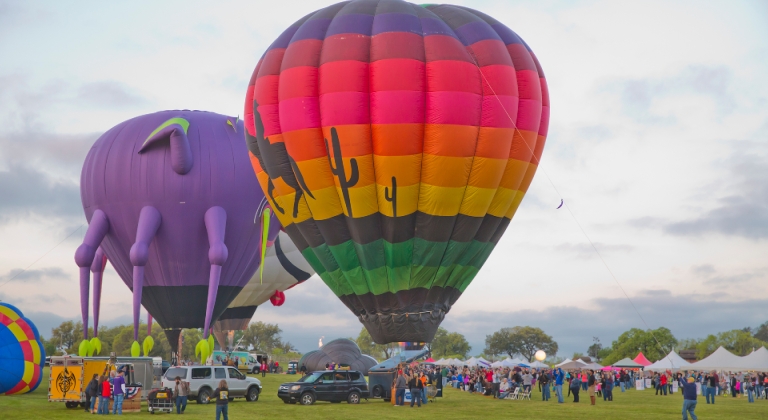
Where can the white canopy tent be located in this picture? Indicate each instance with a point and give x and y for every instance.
(497, 364)
(721, 359)
(442, 362)
(538, 365)
(471, 362)
(482, 362)
(672, 362)
(512, 362)
(757, 360)
(566, 361)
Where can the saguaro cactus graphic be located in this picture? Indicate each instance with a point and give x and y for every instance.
(339, 169)
(392, 198)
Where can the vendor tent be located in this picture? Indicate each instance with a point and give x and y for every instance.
(627, 363)
(572, 365)
(672, 362)
(442, 362)
(757, 360)
(593, 366)
(482, 362)
(641, 359)
(497, 364)
(539, 365)
(563, 362)
(471, 362)
(721, 359)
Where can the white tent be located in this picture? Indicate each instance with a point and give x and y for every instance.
(672, 362)
(721, 359)
(497, 364)
(442, 362)
(512, 362)
(757, 360)
(482, 362)
(569, 361)
(471, 362)
(539, 365)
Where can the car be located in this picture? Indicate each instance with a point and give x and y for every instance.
(203, 380)
(325, 385)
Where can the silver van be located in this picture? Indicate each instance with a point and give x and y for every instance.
(204, 379)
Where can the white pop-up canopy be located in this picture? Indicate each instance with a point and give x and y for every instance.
(721, 359)
(539, 365)
(757, 360)
(672, 362)
(512, 362)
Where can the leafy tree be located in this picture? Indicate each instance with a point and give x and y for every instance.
(761, 333)
(190, 337)
(524, 341)
(64, 335)
(369, 347)
(631, 342)
(449, 344)
(263, 337)
(577, 356)
(594, 350)
(738, 342)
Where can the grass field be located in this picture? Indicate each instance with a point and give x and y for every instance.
(455, 405)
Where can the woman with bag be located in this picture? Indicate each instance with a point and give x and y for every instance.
(222, 400)
(91, 393)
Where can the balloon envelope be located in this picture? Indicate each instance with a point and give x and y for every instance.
(396, 142)
(284, 267)
(119, 181)
(22, 355)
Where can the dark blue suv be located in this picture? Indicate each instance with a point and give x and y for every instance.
(325, 385)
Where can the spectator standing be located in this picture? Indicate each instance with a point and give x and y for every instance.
(118, 393)
(400, 385)
(575, 387)
(544, 385)
(181, 391)
(689, 399)
(91, 393)
(591, 387)
(105, 390)
(711, 381)
(416, 386)
(559, 376)
(263, 368)
(222, 400)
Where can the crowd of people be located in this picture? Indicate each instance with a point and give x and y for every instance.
(418, 380)
(103, 387)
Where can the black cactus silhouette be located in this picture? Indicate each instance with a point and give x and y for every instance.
(392, 198)
(339, 170)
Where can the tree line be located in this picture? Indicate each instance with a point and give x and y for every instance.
(259, 337)
(656, 344)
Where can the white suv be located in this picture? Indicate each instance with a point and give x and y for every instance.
(204, 379)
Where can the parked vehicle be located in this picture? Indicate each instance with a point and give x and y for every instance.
(328, 385)
(246, 361)
(204, 379)
(293, 367)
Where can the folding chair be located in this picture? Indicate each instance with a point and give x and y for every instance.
(524, 395)
(514, 394)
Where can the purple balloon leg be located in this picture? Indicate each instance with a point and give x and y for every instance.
(215, 225)
(97, 268)
(84, 256)
(149, 222)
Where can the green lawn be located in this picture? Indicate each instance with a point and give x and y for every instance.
(455, 405)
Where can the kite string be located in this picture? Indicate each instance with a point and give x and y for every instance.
(43, 256)
(554, 187)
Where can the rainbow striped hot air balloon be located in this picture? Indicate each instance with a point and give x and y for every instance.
(395, 143)
(21, 352)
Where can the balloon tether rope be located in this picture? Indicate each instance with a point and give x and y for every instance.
(554, 187)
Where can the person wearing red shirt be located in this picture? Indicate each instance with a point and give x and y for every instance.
(104, 394)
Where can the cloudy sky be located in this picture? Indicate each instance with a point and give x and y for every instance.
(658, 145)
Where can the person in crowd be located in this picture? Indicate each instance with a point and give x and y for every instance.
(91, 392)
(663, 383)
(263, 368)
(734, 386)
(445, 372)
(584, 380)
(222, 400)
(591, 386)
(277, 366)
(689, 399)
(749, 387)
(608, 390)
(760, 384)
(711, 381)
(622, 380)
(181, 391)
(400, 384)
(105, 390)
(118, 393)
(544, 385)
(424, 381)
(559, 376)
(527, 381)
(416, 386)
(669, 382)
(575, 386)
(303, 369)
(504, 389)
